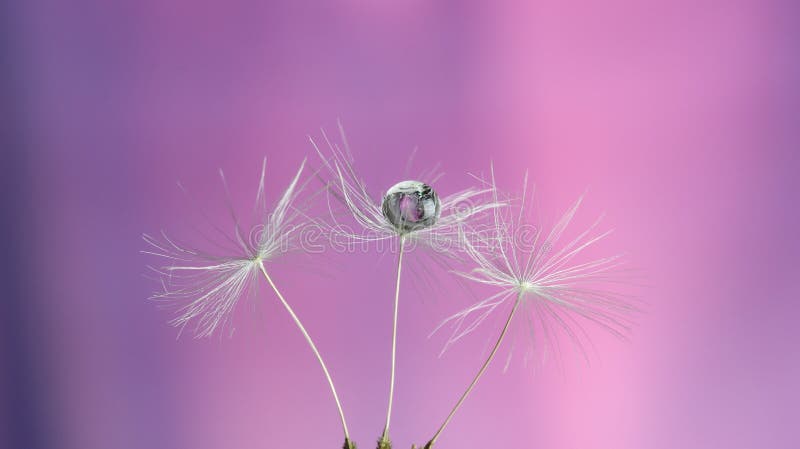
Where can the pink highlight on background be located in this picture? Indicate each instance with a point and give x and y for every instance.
(679, 117)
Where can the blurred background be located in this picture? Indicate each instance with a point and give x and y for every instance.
(680, 117)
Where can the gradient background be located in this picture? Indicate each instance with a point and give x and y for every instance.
(680, 116)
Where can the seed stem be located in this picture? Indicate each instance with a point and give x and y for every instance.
(385, 437)
(313, 348)
(485, 365)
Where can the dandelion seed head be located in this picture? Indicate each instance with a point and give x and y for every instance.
(410, 209)
(559, 288)
(410, 206)
(527, 287)
(204, 286)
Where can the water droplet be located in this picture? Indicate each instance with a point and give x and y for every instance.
(411, 206)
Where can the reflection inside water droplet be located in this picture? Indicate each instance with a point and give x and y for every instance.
(411, 206)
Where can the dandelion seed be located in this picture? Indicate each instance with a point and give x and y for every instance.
(380, 218)
(410, 211)
(205, 288)
(550, 291)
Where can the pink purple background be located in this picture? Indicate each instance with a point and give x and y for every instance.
(681, 117)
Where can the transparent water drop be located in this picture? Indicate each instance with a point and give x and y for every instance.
(411, 206)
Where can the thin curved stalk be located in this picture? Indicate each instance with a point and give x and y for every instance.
(384, 442)
(348, 442)
(485, 365)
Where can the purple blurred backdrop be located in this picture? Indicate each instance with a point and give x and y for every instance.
(681, 117)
